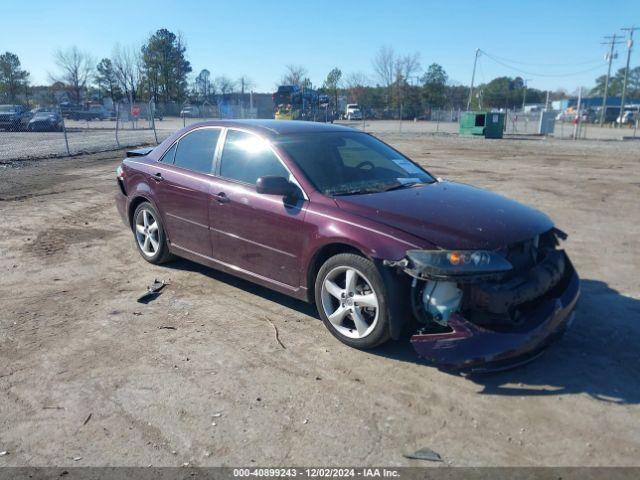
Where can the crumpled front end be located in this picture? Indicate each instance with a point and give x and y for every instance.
(489, 316)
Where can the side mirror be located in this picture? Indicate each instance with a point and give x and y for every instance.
(272, 185)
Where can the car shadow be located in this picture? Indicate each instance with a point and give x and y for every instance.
(249, 287)
(598, 356)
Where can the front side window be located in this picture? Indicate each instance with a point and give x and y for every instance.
(195, 150)
(246, 157)
(351, 163)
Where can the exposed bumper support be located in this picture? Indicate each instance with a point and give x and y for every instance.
(469, 347)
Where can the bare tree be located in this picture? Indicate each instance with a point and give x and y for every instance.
(225, 85)
(76, 70)
(246, 84)
(126, 66)
(203, 84)
(355, 84)
(356, 79)
(383, 65)
(404, 69)
(407, 67)
(295, 75)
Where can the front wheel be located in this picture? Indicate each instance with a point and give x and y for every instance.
(150, 235)
(351, 300)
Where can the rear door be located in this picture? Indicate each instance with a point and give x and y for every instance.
(260, 234)
(181, 183)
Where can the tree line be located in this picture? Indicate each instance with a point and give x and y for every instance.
(159, 70)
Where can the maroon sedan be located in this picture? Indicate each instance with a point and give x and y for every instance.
(334, 216)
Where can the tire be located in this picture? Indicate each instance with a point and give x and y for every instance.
(151, 241)
(343, 309)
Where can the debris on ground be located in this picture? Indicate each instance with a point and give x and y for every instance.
(87, 420)
(77, 459)
(424, 454)
(153, 291)
(167, 327)
(275, 332)
(217, 415)
(3, 453)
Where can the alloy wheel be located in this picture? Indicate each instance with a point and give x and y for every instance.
(350, 302)
(147, 233)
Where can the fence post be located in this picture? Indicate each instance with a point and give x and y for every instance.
(152, 110)
(117, 123)
(64, 129)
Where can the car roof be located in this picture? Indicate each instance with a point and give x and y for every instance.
(274, 128)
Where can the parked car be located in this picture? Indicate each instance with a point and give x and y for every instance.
(67, 107)
(44, 121)
(189, 112)
(352, 112)
(566, 116)
(627, 118)
(93, 112)
(334, 216)
(14, 117)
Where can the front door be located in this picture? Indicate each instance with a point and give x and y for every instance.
(260, 234)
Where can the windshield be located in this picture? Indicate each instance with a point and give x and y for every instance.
(351, 163)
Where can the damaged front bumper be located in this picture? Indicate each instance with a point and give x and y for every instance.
(468, 347)
(499, 324)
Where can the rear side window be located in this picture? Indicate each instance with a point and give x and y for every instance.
(195, 150)
(246, 157)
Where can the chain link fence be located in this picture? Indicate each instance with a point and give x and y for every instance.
(66, 129)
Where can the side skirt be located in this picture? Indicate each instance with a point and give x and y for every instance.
(296, 292)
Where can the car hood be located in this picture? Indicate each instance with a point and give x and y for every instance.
(451, 215)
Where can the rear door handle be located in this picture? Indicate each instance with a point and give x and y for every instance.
(221, 197)
(158, 177)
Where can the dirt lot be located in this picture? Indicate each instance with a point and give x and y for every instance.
(87, 373)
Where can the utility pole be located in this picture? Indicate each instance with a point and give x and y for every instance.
(626, 70)
(546, 101)
(576, 125)
(612, 42)
(473, 77)
(524, 93)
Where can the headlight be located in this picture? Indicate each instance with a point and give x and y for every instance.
(448, 263)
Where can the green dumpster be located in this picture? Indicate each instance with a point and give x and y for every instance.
(488, 124)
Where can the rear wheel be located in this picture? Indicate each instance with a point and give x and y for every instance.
(351, 300)
(150, 235)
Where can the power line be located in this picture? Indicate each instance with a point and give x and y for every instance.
(535, 74)
(564, 64)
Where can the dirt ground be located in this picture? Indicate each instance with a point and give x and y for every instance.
(90, 377)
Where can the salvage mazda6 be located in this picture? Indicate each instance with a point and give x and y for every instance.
(334, 216)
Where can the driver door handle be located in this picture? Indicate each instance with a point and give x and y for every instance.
(221, 197)
(158, 177)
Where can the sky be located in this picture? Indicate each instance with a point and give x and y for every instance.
(557, 43)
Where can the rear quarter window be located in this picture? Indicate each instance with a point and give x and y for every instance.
(169, 154)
